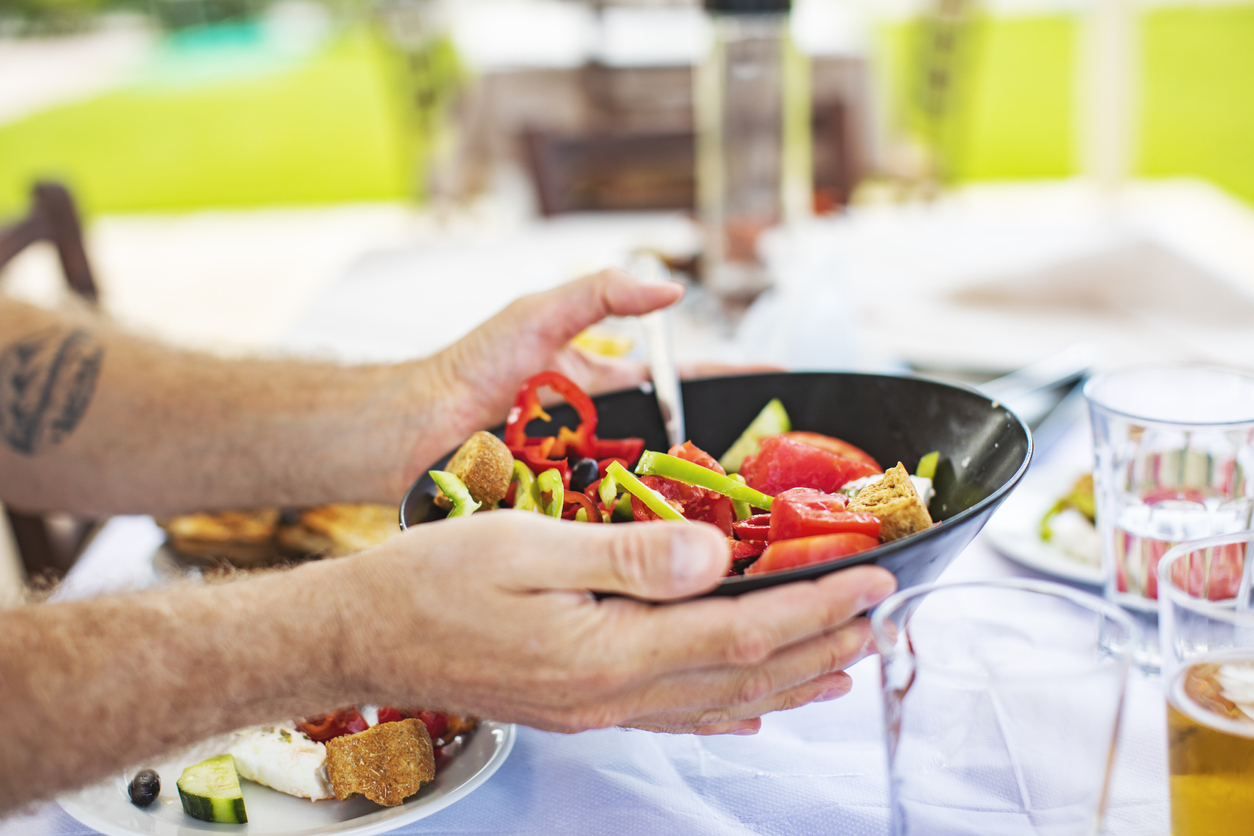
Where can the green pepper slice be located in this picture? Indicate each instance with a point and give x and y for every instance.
(622, 510)
(550, 482)
(927, 465)
(739, 507)
(463, 504)
(643, 492)
(608, 490)
(526, 497)
(682, 470)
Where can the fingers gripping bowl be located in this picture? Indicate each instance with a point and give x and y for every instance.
(984, 451)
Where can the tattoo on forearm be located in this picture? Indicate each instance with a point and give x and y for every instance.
(47, 380)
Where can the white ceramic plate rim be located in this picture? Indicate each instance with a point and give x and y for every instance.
(1013, 532)
(378, 821)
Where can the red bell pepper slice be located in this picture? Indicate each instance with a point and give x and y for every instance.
(575, 501)
(626, 449)
(805, 512)
(527, 407)
(536, 456)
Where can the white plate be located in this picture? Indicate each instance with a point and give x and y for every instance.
(1015, 531)
(107, 807)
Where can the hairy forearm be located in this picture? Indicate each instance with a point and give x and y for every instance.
(88, 688)
(97, 422)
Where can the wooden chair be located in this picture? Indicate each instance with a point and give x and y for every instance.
(50, 545)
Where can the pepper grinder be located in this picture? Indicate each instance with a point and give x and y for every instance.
(752, 102)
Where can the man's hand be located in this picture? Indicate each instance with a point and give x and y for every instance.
(492, 616)
(476, 379)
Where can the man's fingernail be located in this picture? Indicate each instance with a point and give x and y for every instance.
(745, 730)
(691, 557)
(831, 694)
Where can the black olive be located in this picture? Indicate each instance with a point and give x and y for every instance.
(582, 474)
(144, 788)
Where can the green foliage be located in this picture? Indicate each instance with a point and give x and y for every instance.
(325, 130)
(1021, 114)
(1196, 117)
(1008, 113)
(1015, 117)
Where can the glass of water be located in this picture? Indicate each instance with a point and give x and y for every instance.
(1001, 704)
(1174, 447)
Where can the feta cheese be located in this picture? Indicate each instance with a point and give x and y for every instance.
(283, 758)
(1072, 532)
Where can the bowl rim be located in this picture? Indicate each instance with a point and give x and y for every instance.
(741, 583)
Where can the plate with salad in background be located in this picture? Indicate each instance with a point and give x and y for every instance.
(1049, 526)
(805, 473)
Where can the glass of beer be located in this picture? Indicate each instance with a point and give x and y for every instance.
(1001, 704)
(1174, 449)
(1206, 629)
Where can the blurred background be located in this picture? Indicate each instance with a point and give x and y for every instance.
(989, 181)
(958, 188)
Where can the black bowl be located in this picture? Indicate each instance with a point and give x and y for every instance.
(984, 451)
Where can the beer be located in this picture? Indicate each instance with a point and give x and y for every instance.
(1210, 745)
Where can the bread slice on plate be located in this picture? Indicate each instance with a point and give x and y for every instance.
(338, 530)
(386, 763)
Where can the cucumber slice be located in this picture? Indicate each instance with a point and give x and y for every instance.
(210, 791)
(772, 420)
(927, 465)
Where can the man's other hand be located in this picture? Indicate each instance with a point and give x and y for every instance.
(494, 615)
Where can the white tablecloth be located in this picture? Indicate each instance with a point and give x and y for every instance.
(817, 770)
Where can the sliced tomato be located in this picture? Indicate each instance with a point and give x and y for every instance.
(692, 453)
(805, 512)
(782, 463)
(757, 527)
(838, 446)
(693, 502)
(336, 724)
(744, 549)
(387, 714)
(744, 553)
(435, 721)
(787, 554)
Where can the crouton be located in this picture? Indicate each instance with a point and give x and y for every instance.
(337, 530)
(386, 763)
(896, 503)
(241, 537)
(485, 466)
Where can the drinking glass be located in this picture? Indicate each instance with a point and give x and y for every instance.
(1174, 447)
(1206, 627)
(1001, 704)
